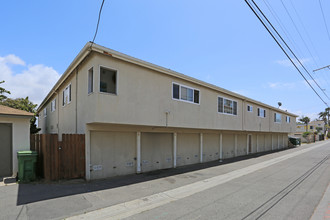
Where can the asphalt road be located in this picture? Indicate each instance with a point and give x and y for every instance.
(286, 184)
(290, 189)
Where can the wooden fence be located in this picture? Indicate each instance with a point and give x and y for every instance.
(59, 159)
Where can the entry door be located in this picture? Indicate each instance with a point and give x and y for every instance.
(250, 143)
(5, 149)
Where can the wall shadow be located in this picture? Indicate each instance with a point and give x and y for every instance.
(40, 191)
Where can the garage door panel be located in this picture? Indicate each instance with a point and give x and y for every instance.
(241, 144)
(112, 154)
(5, 149)
(156, 151)
(211, 145)
(188, 149)
(228, 145)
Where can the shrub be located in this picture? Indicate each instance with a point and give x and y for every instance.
(305, 134)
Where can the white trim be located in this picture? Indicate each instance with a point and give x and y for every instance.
(117, 79)
(138, 152)
(174, 149)
(223, 105)
(93, 83)
(188, 87)
(201, 147)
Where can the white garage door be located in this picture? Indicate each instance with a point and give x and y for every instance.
(112, 154)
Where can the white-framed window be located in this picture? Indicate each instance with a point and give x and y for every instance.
(261, 112)
(45, 112)
(185, 93)
(53, 105)
(287, 119)
(90, 81)
(67, 95)
(108, 80)
(277, 118)
(250, 108)
(227, 106)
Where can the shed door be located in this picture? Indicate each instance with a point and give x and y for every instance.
(5, 149)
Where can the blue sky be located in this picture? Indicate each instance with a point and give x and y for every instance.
(220, 42)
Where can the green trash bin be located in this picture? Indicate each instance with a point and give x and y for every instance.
(295, 141)
(27, 165)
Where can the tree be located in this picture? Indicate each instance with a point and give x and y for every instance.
(305, 120)
(324, 116)
(2, 91)
(26, 105)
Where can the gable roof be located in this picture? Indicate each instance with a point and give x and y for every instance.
(5, 110)
(89, 47)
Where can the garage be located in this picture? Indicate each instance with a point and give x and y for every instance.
(14, 136)
(5, 149)
(156, 151)
(112, 153)
(211, 147)
(188, 149)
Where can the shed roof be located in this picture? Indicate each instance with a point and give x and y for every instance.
(5, 110)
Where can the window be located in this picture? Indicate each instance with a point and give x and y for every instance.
(277, 118)
(53, 105)
(261, 112)
(45, 112)
(287, 119)
(90, 80)
(227, 106)
(311, 127)
(250, 108)
(185, 93)
(108, 80)
(67, 95)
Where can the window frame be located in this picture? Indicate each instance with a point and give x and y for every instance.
(259, 110)
(99, 82)
(70, 95)
(187, 87)
(224, 108)
(53, 109)
(249, 107)
(286, 119)
(275, 118)
(45, 112)
(88, 82)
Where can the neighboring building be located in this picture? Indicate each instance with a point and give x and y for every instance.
(313, 126)
(14, 136)
(139, 117)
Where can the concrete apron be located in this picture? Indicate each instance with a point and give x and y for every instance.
(130, 208)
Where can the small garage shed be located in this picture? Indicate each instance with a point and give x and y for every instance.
(14, 136)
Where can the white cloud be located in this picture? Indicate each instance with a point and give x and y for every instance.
(34, 81)
(288, 63)
(280, 85)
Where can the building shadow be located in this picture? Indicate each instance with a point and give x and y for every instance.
(40, 190)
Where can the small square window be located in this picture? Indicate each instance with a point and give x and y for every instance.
(108, 81)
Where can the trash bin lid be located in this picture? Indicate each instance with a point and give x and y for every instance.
(26, 153)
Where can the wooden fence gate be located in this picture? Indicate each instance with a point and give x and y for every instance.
(59, 159)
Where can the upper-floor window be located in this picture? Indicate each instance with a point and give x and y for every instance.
(90, 80)
(227, 106)
(287, 119)
(277, 117)
(66, 95)
(108, 80)
(262, 112)
(250, 108)
(311, 127)
(45, 112)
(53, 105)
(185, 93)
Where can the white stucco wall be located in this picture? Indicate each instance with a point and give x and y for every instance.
(20, 136)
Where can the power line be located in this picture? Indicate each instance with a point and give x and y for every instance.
(278, 43)
(325, 23)
(278, 34)
(98, 21)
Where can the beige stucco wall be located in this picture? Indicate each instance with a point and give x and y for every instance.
(20, 135)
